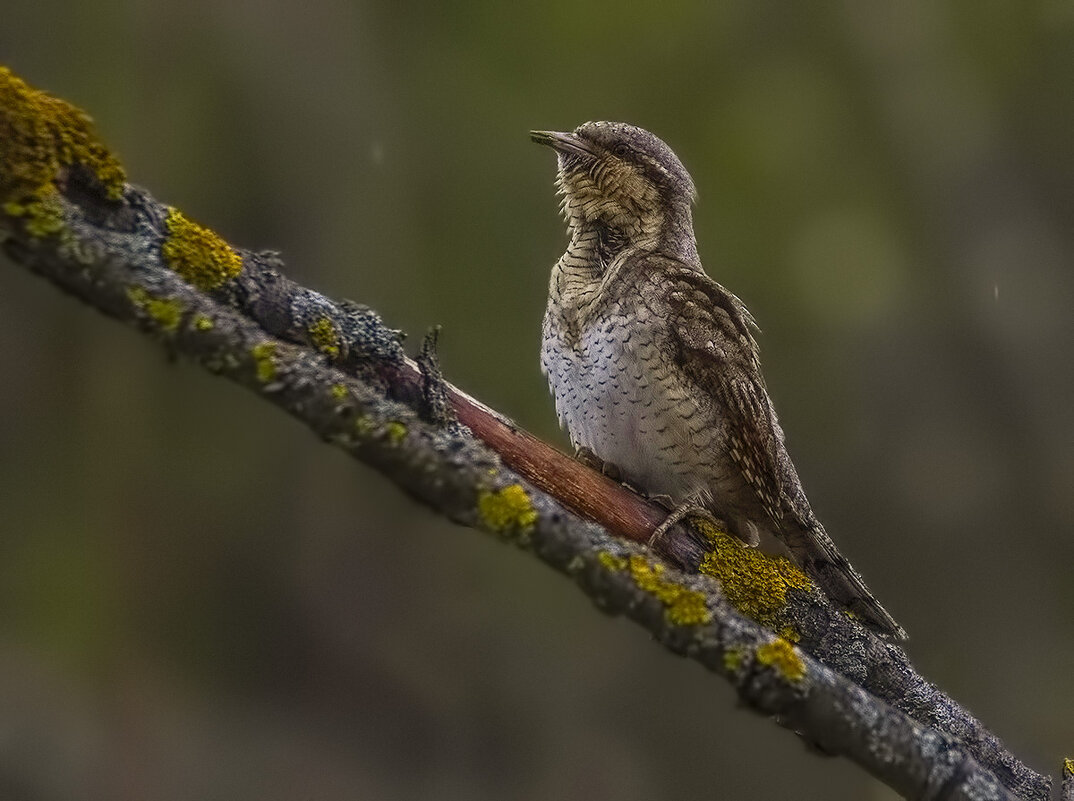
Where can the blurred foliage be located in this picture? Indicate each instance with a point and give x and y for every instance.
(201, 600)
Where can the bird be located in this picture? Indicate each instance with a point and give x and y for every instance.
(654, 366)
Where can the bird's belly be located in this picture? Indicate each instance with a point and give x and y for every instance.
(617, 395)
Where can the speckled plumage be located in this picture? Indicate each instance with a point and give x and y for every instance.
(653, 365)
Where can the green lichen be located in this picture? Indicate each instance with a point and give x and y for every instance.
(325, 337)
(41, 136)
(339, 391)
(506, 510)
(200, 256)
(203, 323)
(732, 659)
(781, 656)
(682, 606)
(754, 582)
(264, 355)
(364, 426)
(395, 431)
(166, 312)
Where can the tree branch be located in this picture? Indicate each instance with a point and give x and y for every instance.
(67, 213)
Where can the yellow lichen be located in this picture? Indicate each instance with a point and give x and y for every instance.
(790, 634)
(339, 391)
(42, 217)
(167, 312)
(683, 606)
(754, 582)
(506, 510)
(201, 257)
(395, 431)
(203, 323)
(325, 337)
(1068, 767)
(732, 659)
(264, 361)
(611, 561)
(780, 655)
(40, 136)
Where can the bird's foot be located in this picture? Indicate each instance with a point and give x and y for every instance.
(690, 508)
(590, 459)
(664, 500)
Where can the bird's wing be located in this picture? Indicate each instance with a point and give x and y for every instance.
(713, 333)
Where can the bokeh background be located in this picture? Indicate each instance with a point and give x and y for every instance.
(201, 600)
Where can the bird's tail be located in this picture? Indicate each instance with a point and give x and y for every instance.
(814, 550)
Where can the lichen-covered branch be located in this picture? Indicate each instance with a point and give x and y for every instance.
(67, 213)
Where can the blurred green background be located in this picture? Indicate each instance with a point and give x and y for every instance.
(200, 600)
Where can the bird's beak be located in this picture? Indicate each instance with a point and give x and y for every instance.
(563, 142)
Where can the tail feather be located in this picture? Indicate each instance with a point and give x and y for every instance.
(814, 550)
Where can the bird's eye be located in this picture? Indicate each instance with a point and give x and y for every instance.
(622, 149)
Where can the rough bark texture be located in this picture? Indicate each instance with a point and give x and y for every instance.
(340, 370)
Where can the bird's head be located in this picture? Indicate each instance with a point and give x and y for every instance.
(622, 178)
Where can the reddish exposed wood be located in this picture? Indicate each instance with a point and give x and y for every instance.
(580, 488)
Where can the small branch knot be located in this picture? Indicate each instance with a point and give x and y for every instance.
(436, 408)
